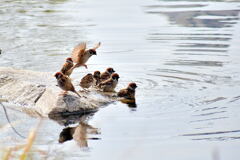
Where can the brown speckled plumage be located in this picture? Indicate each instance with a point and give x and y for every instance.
(110, 84)
(67, 67)
(129, 92)
(81, 54)
(64, 82)
(107, 74)
(96, 77)
(87, 81)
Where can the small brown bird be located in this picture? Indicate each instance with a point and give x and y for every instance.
(64, 82)
(67, 67)
(96, 77)
(80, 54)
(87, 81)
(129, 92)
(110, 84)
(107, 74)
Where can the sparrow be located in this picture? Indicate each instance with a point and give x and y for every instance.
(64, 82)
(96, 77)
(87, 81)
(107, 74)
(80, 54)
(129, 92)
(67, 67)
(110, 84)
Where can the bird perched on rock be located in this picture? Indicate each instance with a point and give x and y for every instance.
(81, 54)
(129, 92)
(87, 81)
(67, 67)
(64, 82)
(110, 84)
(107, 74)
(96, 77)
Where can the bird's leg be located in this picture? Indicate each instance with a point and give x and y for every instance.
(75, 66)
(85, 66)
(78, 65)
(63, 93)
(84, 90)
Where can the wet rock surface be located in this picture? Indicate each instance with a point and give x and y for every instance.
(38, 95)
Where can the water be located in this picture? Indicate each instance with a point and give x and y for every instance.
(182, 54)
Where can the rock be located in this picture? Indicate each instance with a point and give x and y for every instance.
(38, 95)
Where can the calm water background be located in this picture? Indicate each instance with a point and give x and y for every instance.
(184, 56)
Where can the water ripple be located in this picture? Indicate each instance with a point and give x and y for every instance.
(211, 133)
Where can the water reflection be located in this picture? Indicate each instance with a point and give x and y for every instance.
(196, 63)
(131, 103)
(222, 19)
(202, 40)
(188, 38)
(80, 131)
(79, 134)
(214, 135)
(68, 118)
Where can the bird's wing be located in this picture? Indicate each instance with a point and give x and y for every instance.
(78, 51)
(122, 93)
(66, 67)
(97, 46)
(86, 79)
(68, 83)
(104, 76)
(107, 83)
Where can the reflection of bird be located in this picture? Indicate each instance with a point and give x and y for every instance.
(110, 84)
(80, 54)
(96, 77)
(129, 92)
(64, 82)
(67, 67)
(66, 134)
(107, 74)
(87, 81)
(78, 133)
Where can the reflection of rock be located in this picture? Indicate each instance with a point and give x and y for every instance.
(37, 92)
(68, 118)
